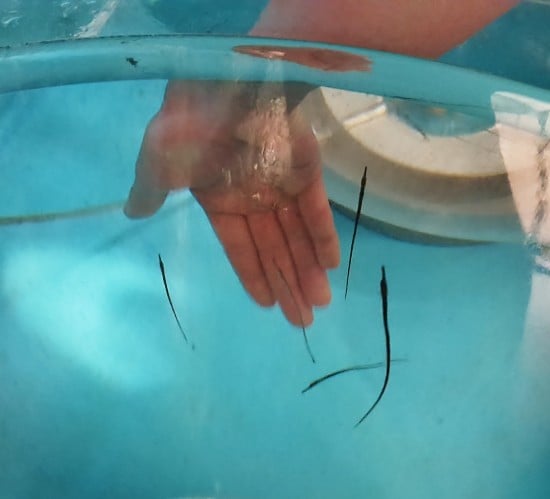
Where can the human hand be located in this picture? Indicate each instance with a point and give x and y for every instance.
(253, 164)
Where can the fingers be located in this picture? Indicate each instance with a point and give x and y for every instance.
(234, 234)
(275, 260)
(312, 198)
(279, 268)
(317, 216)
(312, 277)
(144, 198)
(143, 203)
(258, 252)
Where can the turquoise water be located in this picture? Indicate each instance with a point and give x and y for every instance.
(102, 397)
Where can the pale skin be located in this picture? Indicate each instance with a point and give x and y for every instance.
(252, 161)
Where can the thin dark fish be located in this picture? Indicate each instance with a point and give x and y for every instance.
(162, 271)
(308, 348)
(384, 295)
(356, 223)
(306, 341)
(360, 367)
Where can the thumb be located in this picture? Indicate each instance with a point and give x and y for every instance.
(143, 199)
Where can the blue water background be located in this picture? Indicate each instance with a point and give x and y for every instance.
(102, 397)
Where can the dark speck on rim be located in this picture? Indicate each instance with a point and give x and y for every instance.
(132, 61)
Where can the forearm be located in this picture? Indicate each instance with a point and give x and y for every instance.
(422, 28)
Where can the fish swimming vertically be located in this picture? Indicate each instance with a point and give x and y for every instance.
(388, 360)
(308, 348)
(384, 296)
(356, 223)
(163, 273)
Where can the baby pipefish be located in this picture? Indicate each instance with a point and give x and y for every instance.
(167, 291)
(388, 360)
